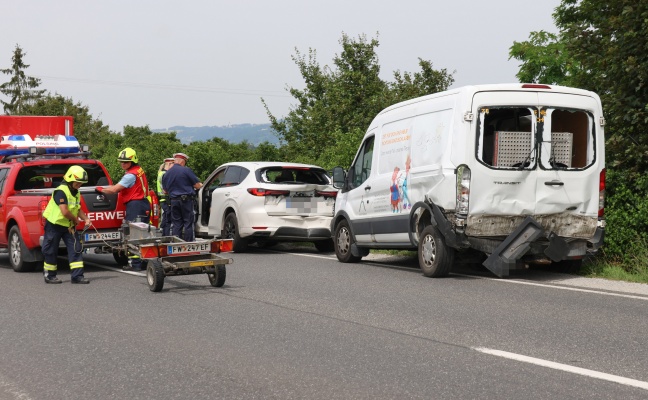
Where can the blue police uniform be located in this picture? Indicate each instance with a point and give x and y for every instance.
(179, 183)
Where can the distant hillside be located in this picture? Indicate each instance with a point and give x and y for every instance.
(255, 134)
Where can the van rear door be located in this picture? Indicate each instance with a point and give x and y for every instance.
(539, 153)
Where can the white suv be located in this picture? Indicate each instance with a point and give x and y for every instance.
(267, 202)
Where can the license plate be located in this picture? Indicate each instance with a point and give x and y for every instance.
(94, 237)
(188, 248)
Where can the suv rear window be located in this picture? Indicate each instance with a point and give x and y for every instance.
(289, 175)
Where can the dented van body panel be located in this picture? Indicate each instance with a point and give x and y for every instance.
(494, 161)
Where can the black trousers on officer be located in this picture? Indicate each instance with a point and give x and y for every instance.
(182, 215)
(165, 224)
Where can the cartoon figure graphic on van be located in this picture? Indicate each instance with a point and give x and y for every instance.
(407, 204)
(395, 192)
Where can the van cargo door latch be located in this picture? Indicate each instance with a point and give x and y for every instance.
(555, 183)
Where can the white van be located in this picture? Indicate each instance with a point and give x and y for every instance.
(515, 172)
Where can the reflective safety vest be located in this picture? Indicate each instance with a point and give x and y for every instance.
(140, 189)
(53, 212)
(160, 191)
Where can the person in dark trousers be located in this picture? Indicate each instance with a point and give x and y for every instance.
(134, 193)
(180, 183)
(62, 214)
(165, 222)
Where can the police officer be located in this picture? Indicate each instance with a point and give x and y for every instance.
(179, 182)
(134, 193)
(62, 214)
(165, 223)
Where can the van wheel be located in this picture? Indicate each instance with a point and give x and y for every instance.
(232, 232)
(343, 241)
(17, 251)
(435, 258)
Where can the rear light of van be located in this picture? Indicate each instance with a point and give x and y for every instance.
(601, 211)
(463, 189)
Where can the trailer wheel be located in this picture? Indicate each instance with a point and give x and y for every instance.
(17, 251)
(232, 232)
(218, 279)
(121, 258)
(343, 241)
(155, 275)
(435, 258)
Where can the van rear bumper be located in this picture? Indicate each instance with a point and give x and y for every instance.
(531, 243)
(565, 225)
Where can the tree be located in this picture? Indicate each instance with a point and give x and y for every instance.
(21, 89)
(610, 38)
(601, 47)
(344, 99)
(544, 59)
(87, 129)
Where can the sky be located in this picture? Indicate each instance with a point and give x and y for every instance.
(163, 63)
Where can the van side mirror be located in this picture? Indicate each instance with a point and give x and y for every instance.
(338, 177)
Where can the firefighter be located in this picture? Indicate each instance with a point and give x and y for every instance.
(134, 193)
(165, 223)
(180, 182)
(62, 214)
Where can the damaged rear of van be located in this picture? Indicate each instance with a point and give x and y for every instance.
(515, 172)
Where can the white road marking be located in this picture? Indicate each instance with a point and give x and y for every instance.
(565, 367)
(629, 296)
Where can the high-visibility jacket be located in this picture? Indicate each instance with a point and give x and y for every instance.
(160, 190)
(140, 189)
(53, 212)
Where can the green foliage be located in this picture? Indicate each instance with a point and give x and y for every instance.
(21, 89)
(544, 59)
(609, 39)
(87, 129)
(343, 100)
(626, 215)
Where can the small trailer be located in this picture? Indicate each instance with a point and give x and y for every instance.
(171, 256)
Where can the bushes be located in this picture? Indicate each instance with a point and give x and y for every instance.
(626, 215)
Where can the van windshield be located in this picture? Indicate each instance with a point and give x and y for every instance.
(528, 137)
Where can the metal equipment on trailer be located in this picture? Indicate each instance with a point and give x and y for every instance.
(171, 256)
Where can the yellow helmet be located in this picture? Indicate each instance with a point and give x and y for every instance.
(127, 155)
(76, 174)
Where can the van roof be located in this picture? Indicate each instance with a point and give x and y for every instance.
(471, 89)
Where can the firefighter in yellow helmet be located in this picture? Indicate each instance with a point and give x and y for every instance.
(62, 214)
(134, 190)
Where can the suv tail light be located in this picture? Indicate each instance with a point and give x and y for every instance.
(268, 192)
(326, 193)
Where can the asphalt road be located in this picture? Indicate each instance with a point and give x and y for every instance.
(300, 325)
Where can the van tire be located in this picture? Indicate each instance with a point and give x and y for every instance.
(342, 242)
(232, 232)
(18, 251)
(435, 258)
